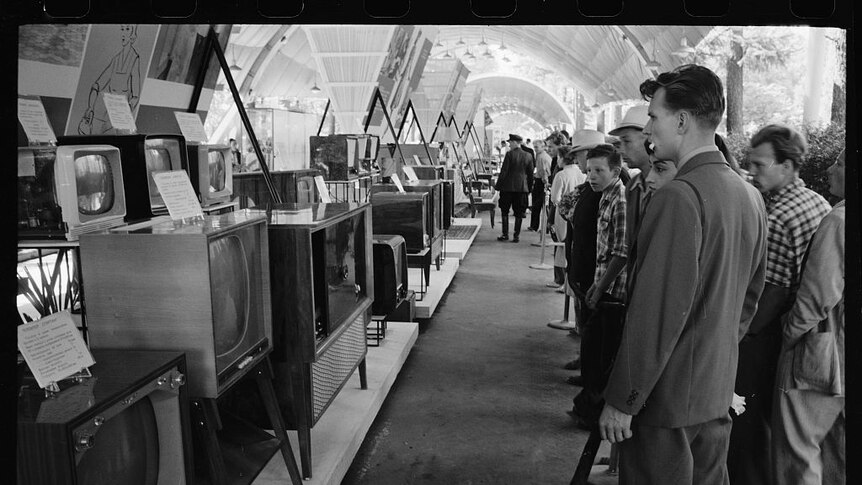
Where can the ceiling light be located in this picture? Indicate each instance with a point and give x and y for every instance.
(438, 44)
(684, 49)
(460, 41)
(447, 54)
(595, 105)
(653, 64)
(233, 66)
(506, 59)
(483, 43)
(315, 89)
(488, 54)
(611, 92)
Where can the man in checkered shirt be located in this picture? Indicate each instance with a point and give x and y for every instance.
(793, 214)
(602, 333)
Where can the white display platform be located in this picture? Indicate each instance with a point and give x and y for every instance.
(434, 292)
(336, 438)
(457, 248)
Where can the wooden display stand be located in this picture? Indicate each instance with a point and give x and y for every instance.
(234, 450)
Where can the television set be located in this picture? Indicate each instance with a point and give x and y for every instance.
(429, 172)
(435, 207)
(390, 273)
(295, 186)
(322, 282)
(406, 215)
(66, 191)
(390, 163)
(344, 157)
(210, 172)
(128, 424)
(142, 155)
(200, 286)
(418, 149)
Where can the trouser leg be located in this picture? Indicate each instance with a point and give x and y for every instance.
(518, 225)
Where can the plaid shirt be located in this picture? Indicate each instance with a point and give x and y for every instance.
(792, 215)
(611, 236)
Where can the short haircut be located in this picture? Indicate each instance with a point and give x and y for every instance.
(556, 138)
(787, 143)
(615, 160)
(232, 139)
(692, 88)
(566, 154)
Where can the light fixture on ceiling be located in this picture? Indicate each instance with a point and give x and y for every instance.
(506, 59)
(438, 44)
(233, 66)
(483, 43)
(315, 89)
(487, 54)
(684, 49)
(469, 55)
(460, 41)
(503, 42)
(447, 54)
(653, 63)
(611, 92)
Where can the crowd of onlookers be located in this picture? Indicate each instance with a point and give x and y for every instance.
(709, 300)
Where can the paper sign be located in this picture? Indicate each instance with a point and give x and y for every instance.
(119, 112)
(191, 126)
(34, 120)
(416, 159)
(53, 348)
(410, 173)
(322, 190)
(177, 192)
(394, 178)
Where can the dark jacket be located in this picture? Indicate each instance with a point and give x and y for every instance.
(516, 174)
(699, 272)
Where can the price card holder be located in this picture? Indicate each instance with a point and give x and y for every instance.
(119, 113)
(34, 120)
(179, 196)
(397, 182)
(191, 127)
(410, 173)
(322, 190)
(54, 350)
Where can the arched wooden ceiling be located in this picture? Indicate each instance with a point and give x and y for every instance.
(606, 63)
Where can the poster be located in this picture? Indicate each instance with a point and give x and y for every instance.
(115, 58)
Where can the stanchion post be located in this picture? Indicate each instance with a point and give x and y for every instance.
(542, 223)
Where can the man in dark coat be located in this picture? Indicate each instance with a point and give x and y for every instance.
(699, 271)
(514, 184)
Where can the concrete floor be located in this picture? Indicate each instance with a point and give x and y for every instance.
(481, 397)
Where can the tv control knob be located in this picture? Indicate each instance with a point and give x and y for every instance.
(357, 289)
(345, 272)
(162, 381)
(178, 380)
(130, 399)
(98, 421)
(85, 442)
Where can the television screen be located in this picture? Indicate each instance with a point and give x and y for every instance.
(95, 183)
(230, 282)
(125, 450)
(158, 160)
(218, 173)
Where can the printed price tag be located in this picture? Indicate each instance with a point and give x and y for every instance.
(397, 182)
(34, 120)
(191, 126)
(53, 348)
(177, 192)
(410, 173)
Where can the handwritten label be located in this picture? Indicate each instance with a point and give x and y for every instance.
(178, 194)
(322, 190)
(397, 182)
(191, 126)
(410, 173)
(119, 112)
(53, 348)
(34, 120)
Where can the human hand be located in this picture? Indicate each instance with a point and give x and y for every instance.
(592, 297)
(615, 425)
(738, 404)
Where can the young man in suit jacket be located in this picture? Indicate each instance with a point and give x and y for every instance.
(700, 268)
(514, 184)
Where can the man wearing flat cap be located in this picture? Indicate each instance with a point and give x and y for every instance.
(514, 184)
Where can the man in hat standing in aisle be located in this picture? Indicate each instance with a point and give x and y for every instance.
(514, 184)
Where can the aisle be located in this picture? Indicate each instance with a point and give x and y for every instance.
(482, 397)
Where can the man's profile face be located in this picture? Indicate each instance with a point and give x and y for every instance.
(632, 147)
(661, 129)
(599, 173)
(767, 173)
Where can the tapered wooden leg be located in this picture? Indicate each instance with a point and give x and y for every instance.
(263, 376)
(363, 375)
(206, 425)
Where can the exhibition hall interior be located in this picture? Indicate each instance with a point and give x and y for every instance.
(267, 253)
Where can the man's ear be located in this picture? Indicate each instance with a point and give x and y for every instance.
(684, 120)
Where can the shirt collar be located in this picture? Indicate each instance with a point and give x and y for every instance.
(610, 189)
(638, 181)
(778, 194)
(697, 151)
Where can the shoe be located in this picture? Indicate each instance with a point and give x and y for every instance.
(575, 332)
(504, 237)
(575, 381)
(515, 239)
(553, 284)
(562, 325)
(561, 289)
(573, 364)
(532, 229)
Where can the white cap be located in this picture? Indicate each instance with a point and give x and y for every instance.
(636, 117)
(586, 139)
